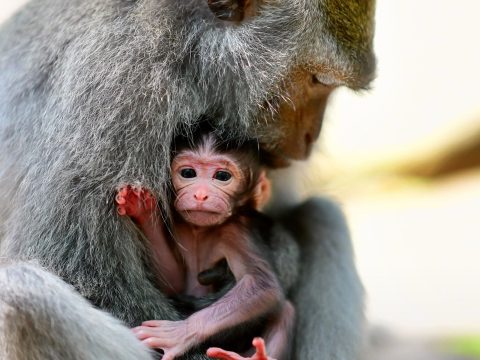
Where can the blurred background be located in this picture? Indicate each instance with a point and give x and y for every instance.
(404, 161)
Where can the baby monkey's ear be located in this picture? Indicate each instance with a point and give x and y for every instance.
(262, 191)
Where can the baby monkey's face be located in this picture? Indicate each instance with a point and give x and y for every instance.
(207, 186)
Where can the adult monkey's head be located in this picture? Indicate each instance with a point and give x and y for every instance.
(334, 49)
(113, 82)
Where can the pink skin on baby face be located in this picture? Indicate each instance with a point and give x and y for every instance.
(205, 189)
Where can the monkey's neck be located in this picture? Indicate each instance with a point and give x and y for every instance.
(197, 248)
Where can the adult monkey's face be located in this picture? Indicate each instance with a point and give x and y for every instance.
(336, 52)
(301, 114)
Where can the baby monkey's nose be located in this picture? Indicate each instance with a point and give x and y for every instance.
(200, 195)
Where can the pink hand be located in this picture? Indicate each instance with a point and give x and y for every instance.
(136, 202)
(170, 336)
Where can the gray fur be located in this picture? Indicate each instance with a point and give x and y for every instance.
(329, 286)
(92, 92)
(285, 253)
(43, 318)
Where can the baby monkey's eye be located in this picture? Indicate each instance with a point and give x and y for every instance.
(222, 175)
(188, 173)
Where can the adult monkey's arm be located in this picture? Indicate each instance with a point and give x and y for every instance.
(328, 294)
(93, 92)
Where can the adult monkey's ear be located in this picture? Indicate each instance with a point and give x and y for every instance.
(233, 10)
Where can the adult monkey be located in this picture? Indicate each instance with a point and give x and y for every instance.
(91, 95)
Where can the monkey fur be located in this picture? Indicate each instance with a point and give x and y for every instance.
(93, 92)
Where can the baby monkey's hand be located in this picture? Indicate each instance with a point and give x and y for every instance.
(136, 202)
(173, 337)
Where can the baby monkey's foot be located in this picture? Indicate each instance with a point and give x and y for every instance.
(136, 202)
(260, 352)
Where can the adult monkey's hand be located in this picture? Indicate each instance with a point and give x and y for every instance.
(92, 94)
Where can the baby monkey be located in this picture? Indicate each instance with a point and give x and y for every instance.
(218, 188)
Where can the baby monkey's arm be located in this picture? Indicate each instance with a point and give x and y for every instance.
(140, 205)
(257, 292)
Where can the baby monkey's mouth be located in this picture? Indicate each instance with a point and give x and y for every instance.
(203, 217)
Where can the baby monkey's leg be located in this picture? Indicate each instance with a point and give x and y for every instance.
(260, 352)
(278, 340)
(279, 333)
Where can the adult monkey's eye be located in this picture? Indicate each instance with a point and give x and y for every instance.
(222, 175)
(324, 79)
(188, 173)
